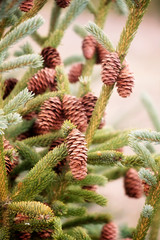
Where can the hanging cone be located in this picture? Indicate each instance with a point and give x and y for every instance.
(133, 184)
(25, 135)
(51, 57)
(89, 47)
(101, 53)
(63, 3)
(30, 116)
(75, 112)
(9, 164)
(59, 167)
(9, 85)
(109, 232)
(77, 154)
(75, 72)
(26, 5)
(45, 233)
(146, 188)
(125, 82)
(89, 101)
(110, 68)
(42, 80)
(51, 116)
(92, 188)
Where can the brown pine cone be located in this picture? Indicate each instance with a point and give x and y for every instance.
(77, 154)
(24, 135)
(92, 188)
(89, 101)
(109, 232)
(110, 68)
(9, 84)
(89, 47)
(30, 116)
(75, 72)
(63, 3)
(45, 233)
(133, 184)
(75, 112)
(51, 57)
(101, 53)
(125, 81)
(26, 5)
(9, 164)
(23, 235)
(59, 167)
(51, 116)
(43, 79)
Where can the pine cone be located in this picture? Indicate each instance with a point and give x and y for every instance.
(23, 235)
(74, 111)
(59, 167)
(25, 135)
(75, 72)
(110, 68)
(125, 82)
(109, 232)
(63, 3)
(30, 116)
(92, 188)
(9, 85)
(51, 116)
(101, 53)
(45, 233)
(89, 101)
(133, 184)
(9, 164)
(89, 47)
(43, 79)
(77, 152)
(51, 57)
(26, 5)
(146, 188)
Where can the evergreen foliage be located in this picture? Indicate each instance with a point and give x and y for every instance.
(38, 191)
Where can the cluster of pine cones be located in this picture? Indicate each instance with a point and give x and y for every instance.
(27, 5)
(112, 70)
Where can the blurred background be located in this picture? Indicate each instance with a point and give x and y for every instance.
(144, 60)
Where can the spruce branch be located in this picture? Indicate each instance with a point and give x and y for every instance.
(9, 7)
(56, 11)
(31, 209)
(18, 101)
(73, 59)
(89, 196)
(151, 110)
(98, 113)
(146, 135)
(25, 49)
(76, 7)
(114, 143)
(79, 233)
(132, 24)
(37, 101)
(43, 140)
(122, 7)
(145, 220)
(29, 60)
(21, 31)
(39, 176)
(3, 174)
(89, 219)
(62, 80)
(155, 224)
(115, 173)
(80, 31)
(147, 176)
(27, 153)
(100, 36)
(91, 7)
